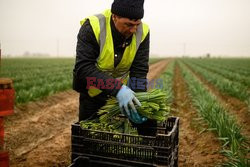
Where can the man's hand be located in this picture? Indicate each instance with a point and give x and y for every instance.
(126, 99)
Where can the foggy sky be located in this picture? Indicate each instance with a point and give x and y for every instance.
(177, 27)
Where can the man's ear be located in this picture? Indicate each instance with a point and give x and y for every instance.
(114, 17)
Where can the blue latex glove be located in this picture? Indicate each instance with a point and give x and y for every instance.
(126, 99)
(136, 118)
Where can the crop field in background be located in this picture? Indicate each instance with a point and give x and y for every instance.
(154, 60)
(218, 96)
(203, 77)
(37, 78)
(230, 76)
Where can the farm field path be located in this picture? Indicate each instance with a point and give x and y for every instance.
(156, 69)
(195, 149)
(236, 107)
(38, 134)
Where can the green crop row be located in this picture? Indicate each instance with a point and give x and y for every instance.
(233, 76)
(225, 85)
(37, 78)
(167, 78)
(241, 65)
(154, 60)
(218, 120)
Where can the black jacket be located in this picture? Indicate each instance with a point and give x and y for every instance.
(87, 52)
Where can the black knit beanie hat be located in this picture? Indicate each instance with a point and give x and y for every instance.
(132, 9)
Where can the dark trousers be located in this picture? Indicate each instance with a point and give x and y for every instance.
(89, 107)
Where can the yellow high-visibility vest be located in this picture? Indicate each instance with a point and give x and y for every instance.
(100, 24)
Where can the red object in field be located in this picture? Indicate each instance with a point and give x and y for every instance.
(4, 159)
(1, 134)
(7, 95)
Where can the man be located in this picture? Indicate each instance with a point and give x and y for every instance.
(112, 46)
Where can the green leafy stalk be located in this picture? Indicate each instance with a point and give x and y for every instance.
(154, 106)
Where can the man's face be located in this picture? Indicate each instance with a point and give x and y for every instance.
(126, 26)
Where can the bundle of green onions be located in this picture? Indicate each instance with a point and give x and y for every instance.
(154, 106)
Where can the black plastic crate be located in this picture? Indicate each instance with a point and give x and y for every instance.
(93, 148)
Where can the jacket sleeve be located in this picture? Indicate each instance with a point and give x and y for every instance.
(139, 67)
(87, 52)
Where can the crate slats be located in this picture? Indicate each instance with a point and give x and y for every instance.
(120, 148)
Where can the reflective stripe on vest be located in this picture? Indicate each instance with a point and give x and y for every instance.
(105, 62)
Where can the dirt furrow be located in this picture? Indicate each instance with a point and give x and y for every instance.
(44, 124)
(38, 134)
(156, 69)
(195, 149)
